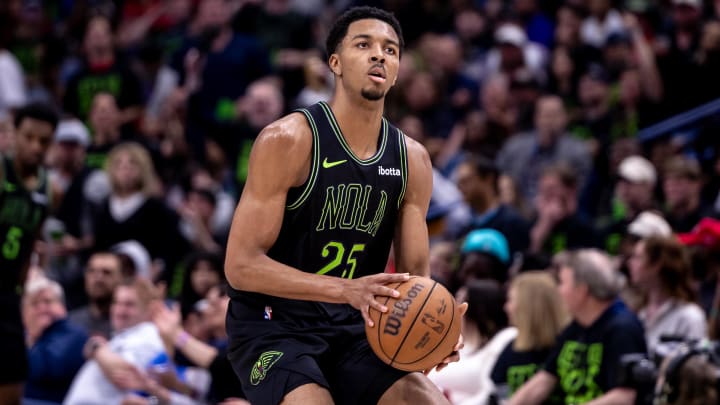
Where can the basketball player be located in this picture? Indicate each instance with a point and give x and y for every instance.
(24, 199)
(329, 190)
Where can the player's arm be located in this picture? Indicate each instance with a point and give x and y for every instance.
(535, 390)
(280, 159)
(411, 242)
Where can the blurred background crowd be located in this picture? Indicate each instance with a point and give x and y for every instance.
(552, 125)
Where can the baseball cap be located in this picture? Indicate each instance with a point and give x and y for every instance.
(649, 224)
(511, 34)
(706, 233)
(637, 169)
(488, 241)
(137, 253)
(691, 3)
(72, 130)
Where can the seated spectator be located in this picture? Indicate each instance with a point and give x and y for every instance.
(558, 225)
(485, 255)
(525, 155)
(682, 184)
(196, 224)
(105, 120)
(660, 269)
(689, 377)
(117, 367)
(602, 21)
(442, 255)
(478, 180)
(55, 345)
(535, 308)
(486, 332)
(602, 331)
(199, 351)
(513, 51)
(633, 194)
(203, 271)
(132, 212)
(102, 71)
(103, 273)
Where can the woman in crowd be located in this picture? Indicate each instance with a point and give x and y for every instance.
(486, 332)
(534, 307)
(133, 211)
(660, 268)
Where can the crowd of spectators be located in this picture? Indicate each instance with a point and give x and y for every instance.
(575, 238)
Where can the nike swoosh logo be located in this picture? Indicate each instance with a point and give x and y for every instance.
(327, 165)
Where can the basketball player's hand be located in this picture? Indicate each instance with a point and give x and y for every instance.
(361, 292)
(455, 355)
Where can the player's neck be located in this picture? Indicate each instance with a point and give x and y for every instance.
(359, 122)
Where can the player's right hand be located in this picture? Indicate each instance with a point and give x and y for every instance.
(361, 292)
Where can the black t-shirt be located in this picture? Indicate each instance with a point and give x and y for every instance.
(586, 360)
(513, 369)
(116, 79)
(153, 225)
(573, 232)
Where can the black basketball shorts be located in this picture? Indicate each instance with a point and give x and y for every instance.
(271, 358)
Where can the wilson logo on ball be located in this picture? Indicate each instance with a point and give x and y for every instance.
(399, 310)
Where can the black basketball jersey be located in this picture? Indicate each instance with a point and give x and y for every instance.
(22, 212)
(341, 222)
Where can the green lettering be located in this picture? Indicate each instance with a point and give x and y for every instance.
(379, 214)
(352, 193)
(518, 375)
(333, 208)
(362, 210)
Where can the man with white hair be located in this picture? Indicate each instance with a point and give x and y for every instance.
(54, 344)
(586, 359)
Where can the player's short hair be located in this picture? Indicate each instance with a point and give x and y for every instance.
(340, 28)
(39, 111)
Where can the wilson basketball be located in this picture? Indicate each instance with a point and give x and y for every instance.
(420, 328)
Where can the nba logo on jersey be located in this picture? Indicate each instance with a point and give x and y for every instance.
(268, 312)
(389, 171)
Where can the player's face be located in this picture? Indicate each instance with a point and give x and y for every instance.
(368, 59)
(32, 142)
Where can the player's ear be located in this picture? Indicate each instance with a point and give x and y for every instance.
(334, 63)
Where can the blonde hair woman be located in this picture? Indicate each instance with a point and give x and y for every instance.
(133, 211)
(131, 170)
(535, 308)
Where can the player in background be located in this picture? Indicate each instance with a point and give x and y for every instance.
(24, 202)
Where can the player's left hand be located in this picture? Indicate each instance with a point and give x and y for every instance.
(455, 355)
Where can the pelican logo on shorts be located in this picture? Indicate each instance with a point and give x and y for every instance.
(262, 366)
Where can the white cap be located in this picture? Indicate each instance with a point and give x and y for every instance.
(649, 224)
(637, 169)
(511, 34)
(72, 130)
(137, 253)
